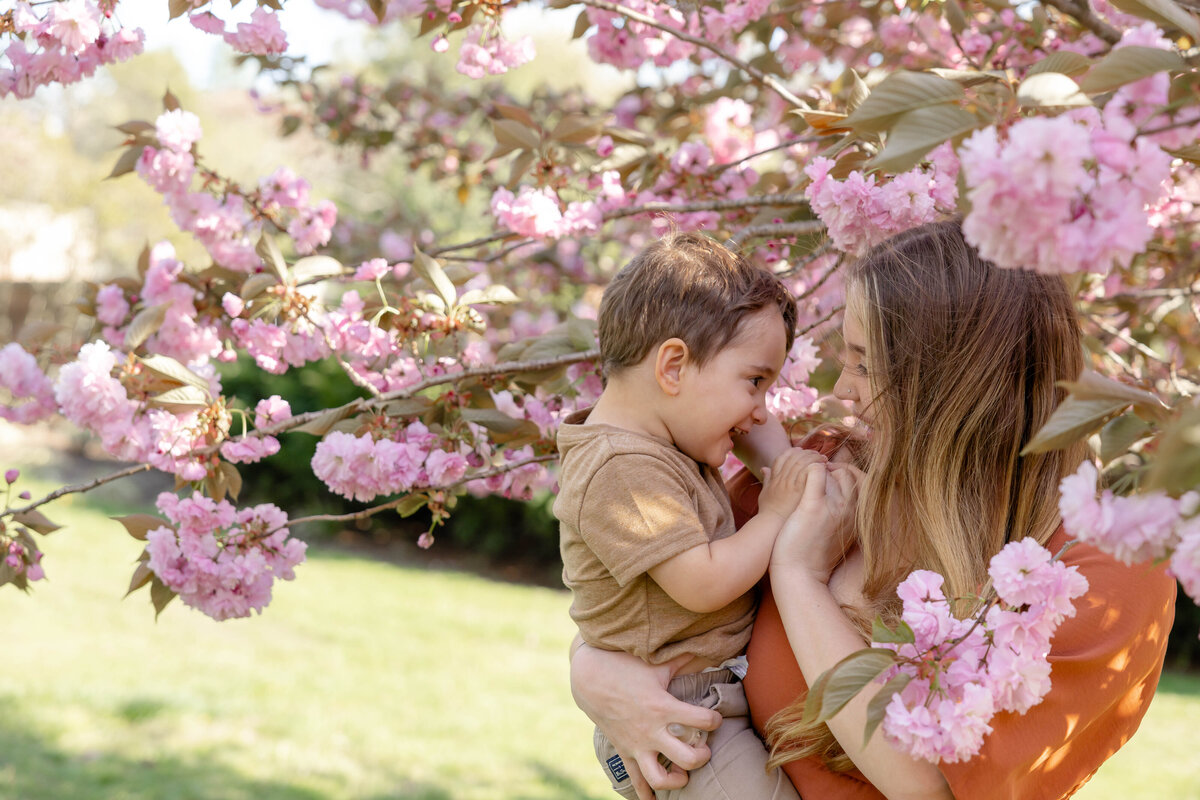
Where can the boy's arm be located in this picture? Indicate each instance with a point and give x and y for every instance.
(710, 576)
(763, 444)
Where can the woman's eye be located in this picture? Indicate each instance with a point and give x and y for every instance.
(860, 369)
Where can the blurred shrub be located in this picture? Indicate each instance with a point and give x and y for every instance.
(1183, 646)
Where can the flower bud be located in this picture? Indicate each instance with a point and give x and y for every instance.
(11, 475)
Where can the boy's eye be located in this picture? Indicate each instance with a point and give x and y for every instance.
(756, 380)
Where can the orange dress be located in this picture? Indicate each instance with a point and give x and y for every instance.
(1105, 665)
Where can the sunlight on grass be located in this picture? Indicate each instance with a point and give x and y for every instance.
(361, 680)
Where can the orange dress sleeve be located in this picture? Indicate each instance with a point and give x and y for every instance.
(1105, 666)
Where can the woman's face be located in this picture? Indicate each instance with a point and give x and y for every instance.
(854, 385)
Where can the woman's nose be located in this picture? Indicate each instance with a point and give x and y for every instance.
(844, 389)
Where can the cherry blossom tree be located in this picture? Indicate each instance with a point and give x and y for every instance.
(1063, 132)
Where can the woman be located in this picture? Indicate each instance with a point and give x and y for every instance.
(951, 365)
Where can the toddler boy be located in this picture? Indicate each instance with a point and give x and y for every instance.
(691, 338)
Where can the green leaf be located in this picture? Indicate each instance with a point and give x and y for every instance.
(142, 575)
(429, 269)
(170, 101)
(127, 162)
(898, 94)
(407, 407)
(1189, 153)
(495, 294)
(491, 418)
(257, 284)
(1094, 386)
(169, 368)
(1118, 436)
(160, 595)
(177, 8)
(181, 397)
(313, 267)
(272, 256)
(1129, 64)
(1064, 61)
(233, 479)
(859, 91)
(1166, 13)
(850, 676)
(136, 127)
(322, 423)
(411, 504)
(36, 520)
(882, 634)
(582, 24)
(1176, 467)
(815, 698)
(138, 525)
(581, 333)
(1074, 419)
(877, 708)
(918, 132)
(1051, 90)
(144, 325)
(576, 129)
(512, 135)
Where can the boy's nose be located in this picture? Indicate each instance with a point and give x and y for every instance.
(759, 415)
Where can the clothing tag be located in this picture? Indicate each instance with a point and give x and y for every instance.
(617, 767)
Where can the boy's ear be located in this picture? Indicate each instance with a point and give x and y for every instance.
(669, 361)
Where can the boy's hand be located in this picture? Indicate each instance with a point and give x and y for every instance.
(820, 531)
(783, 483)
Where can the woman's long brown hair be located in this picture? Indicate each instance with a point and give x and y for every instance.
(963, 359)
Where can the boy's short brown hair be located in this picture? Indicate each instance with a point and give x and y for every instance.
(688, 286)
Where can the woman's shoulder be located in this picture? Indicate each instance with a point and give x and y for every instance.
(1146, 586)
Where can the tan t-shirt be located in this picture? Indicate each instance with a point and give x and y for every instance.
(626, 503)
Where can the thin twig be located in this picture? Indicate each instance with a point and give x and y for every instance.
(80, 487)
(1082, 13)
(837, 264)
(1127, 339)
(372, 511)
(776, 230)
(769, 81)
(821, 321)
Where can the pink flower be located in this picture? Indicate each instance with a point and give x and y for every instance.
(233, 305)
(249, 449)
(207, 22)
(372, 270)
(271, 411)
(32, 392)
(75, 23)
(445, 468)
(177, 130)
(1185, 561)
(262, 35)
(111, 306)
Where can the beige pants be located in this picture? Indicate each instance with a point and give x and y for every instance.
(738, 767)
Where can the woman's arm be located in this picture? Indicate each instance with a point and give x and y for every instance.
(628, 701)
(811, 544)
(762, 445)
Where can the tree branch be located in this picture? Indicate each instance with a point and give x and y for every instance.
(1083, 14)
(372, 511)
(769, 81)
(79, 487)
(777, 230)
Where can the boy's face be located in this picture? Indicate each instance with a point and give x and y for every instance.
(727, 395)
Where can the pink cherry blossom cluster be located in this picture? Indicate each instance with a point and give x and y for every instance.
(539, 213)
(791, 397)
(32, 393)
(364, 467)
(67, 43)
(1135, 528)
(262, 35)
(92, 397)
(248, 449)
(486, 52)
(219, 559)
(1062, 194)
(393, 9)
(21, 559)
(961, 672)
(730, 132)
(225, 225)
(860, 212)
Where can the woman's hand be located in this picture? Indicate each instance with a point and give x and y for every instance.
(819, 533)
(783, 484)
(628, 700)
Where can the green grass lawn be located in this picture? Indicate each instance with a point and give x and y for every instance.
(361, 680)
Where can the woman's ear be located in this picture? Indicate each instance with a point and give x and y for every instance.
(669, 361)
